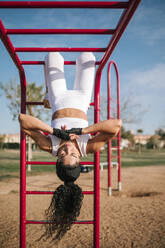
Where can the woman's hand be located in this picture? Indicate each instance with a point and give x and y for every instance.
(63, 127)
(73, 136)
(46, 103)
(61, 134)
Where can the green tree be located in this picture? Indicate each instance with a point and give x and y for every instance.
(139, 131)
(131, 111)
(161, 133)
(2, 140)
(154, 142)
(34, 93)
(127, 135)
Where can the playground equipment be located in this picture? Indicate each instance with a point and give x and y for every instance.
(129, 7)
(117, 148)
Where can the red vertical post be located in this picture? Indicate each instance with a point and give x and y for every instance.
(23, 168)
(97, 166)
(109, 169)
(118, 116)
(9, 46)
(108, 117)
(119, 136)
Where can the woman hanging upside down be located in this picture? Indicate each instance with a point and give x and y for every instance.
(69, 135)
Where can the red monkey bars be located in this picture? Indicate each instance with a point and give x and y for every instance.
(129, 8)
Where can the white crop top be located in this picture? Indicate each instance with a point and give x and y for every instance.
(70, 123)
(77, 99)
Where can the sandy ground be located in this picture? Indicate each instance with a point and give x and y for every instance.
(132, 218)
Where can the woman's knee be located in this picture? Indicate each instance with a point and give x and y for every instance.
(54, 60)
(54, 57)
(85, 57)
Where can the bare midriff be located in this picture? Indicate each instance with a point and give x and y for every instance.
(69, 112)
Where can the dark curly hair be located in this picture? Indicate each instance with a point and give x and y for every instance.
(65, 204)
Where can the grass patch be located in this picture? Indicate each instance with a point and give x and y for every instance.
(10, 164)
(146, 158)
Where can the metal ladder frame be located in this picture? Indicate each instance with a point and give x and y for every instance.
(129, 8)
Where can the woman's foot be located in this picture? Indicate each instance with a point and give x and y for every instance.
(46, 102)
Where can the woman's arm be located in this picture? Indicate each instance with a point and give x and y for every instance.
(34, 128)
(32, 123)
(43, 141)
(107, 129)
(111, 126)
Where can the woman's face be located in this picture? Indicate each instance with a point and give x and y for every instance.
(68, 154)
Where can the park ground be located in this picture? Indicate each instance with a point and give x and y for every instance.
(134, 217)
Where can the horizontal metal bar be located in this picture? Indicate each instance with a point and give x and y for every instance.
(52, 192)
(34, 103)
(59, 49)
(61, 31)
(52, 163)
(63, 4)
(41, 103)
(42, 62)
(115, 138)
(47, 222)
(32, 62)
(41, 162)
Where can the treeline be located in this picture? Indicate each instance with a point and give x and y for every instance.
(156, 141)
(9, 145)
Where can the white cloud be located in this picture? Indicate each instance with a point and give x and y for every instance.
(152, 78)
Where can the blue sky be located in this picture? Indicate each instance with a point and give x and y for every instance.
(140, 55)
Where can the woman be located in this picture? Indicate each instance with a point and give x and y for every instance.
(69, 134)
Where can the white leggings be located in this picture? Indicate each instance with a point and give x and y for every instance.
(59, 96)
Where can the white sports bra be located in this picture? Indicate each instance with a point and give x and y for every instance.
(70, 123)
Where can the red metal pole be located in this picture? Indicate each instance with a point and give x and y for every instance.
(109, 169)
(22, 191)
(52, 192)
(97, 166)
(61, 31)
(59, 49)
(63, 4)
(42, 62)
(119, 134)
(23, 168)
(8, 44)
(53, 163)
(118, 116)
(41, 103)
(45, 222)
(109, 117)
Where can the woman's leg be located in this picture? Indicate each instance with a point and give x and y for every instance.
(46, 100)
(54, 76)
(85, 74)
